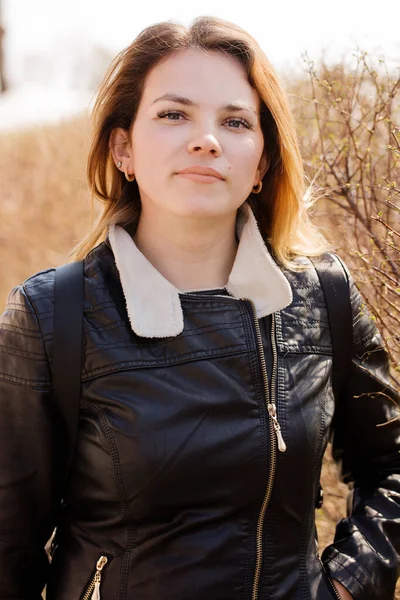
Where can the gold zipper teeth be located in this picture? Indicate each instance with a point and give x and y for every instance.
(338, 596)
(260, 524)
(275, 359)
(89, 591)
(273, 439)
(328, 578)
(102, 561)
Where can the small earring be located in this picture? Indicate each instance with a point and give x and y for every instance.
(119, 164)
(129, 177)
(257, 188)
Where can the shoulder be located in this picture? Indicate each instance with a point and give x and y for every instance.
(37, 291)
(28, 299)
(308, 290)
(23, 356)
(307, 275)
(40, 286)
(34, 297)
(27, 322)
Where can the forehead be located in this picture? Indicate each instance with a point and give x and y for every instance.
(206, 77)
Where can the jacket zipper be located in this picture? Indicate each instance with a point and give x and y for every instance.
(321, 564)
(93, 589)
(275, 435)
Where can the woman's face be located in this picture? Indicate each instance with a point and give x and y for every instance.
(197, 110)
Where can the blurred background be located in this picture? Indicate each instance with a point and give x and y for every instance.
(54, 53)
(340, 65)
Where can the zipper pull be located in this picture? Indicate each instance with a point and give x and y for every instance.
(97, 578)
(277, 427)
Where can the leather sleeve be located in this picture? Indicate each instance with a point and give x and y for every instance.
(366, 443)
(27, 451)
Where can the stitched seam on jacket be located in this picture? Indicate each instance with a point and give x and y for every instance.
(17, 306)
(306, 287)
(39, 326)
(215, 300)
(28, 383)
(309, 323)
(32, 279)
(307, 303)
(113, 324)
(145, 364)
(179, 358)
(18, 329)
(205, 329)
(116, 464)
(334, 559)
(13, 350)
(326, 350)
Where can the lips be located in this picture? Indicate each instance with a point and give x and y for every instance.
(198, 170)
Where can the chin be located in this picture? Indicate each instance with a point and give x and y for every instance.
(204, 207)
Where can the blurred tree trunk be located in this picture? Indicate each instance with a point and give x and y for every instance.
(3, 83)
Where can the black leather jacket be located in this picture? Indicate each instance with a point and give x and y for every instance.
(177, 481)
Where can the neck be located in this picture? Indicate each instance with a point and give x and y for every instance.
(190, 253)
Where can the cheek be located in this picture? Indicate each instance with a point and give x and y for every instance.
(155, 150)
(245, 157)
(156, 139)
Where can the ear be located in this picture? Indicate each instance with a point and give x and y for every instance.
(120, 148)
(263, 167)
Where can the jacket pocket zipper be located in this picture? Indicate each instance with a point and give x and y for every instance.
(92, 591)
(321, 564)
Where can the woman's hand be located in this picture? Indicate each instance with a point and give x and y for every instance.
(341, 590)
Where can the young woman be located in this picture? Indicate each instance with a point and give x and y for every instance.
(206, 396)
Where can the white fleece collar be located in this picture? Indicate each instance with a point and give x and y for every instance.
(153, 303)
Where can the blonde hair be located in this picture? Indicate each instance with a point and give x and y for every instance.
(281, 208)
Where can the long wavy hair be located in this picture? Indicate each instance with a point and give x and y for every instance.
(281, 209)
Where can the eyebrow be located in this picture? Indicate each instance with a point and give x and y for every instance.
(187, 102)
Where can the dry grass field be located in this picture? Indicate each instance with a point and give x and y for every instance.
(44, 198)
(45, 210)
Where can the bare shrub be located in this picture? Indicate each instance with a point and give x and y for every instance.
(348, 126)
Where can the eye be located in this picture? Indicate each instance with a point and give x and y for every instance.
(239, 122)
(174, 115)
(170, 113)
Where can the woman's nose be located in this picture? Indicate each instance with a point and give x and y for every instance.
(205, 144)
